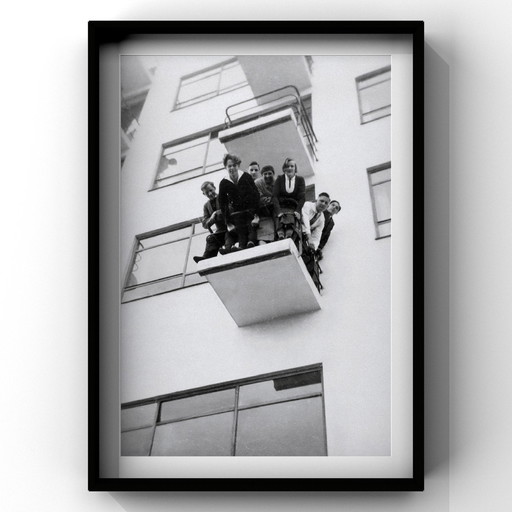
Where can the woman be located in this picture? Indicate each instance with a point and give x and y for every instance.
(288, 199)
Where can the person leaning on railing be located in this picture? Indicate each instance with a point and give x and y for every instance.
(238, 201)
(313, 220)
(288, 199)
(333, 208)
(212, 216)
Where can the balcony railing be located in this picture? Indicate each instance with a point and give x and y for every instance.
(273, 101)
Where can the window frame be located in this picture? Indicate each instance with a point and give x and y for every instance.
(221, 66)
(192, 223)
(212, 133)
(370, 171)
(368, 76)
(228, 385)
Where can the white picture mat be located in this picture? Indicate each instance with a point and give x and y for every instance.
(399, 464)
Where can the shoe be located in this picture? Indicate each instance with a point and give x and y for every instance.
(197, 259)
(280, 236)
(250, 244)
(223, 250)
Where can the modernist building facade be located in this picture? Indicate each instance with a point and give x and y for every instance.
(241, 354)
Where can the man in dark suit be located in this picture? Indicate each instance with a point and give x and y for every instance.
(212, 216)
(333, 208)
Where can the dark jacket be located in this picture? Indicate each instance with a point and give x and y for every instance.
(235, 198)
(294, 199)
(208, 209)
(326, 232)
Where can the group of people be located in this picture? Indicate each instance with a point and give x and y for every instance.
(250, 210)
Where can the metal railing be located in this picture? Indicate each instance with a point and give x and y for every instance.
(290, 99)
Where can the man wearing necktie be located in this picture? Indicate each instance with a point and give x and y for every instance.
(313, 220)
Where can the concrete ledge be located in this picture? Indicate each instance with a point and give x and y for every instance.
(262, 283)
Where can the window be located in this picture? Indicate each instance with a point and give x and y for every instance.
(374, 94)
(210, 82)
(162, 261)
(379, 178)
(279, 414)
(194, 157)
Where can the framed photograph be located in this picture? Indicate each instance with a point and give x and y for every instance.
(256, 255)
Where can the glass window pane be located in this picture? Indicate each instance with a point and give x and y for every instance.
(193, 90)
(382, 197)
(280, 388)
(200, 76)
(180, 177)
(198, 229)
(209, 435)
(159, 262)
(177, 162)
(216, 152)
(136, 417)
(170, 236)
(231, 77)
(147, 290)
(136, 442)
(376, 97)
(196, 249)
(372, 116)
(185, 145)
(284, 429)
(198, 405)
(375, 79)
(384, 229)
(379, 176)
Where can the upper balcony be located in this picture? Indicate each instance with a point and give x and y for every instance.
(276, 125)
(262, 283)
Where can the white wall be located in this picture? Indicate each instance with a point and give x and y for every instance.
(467, 253)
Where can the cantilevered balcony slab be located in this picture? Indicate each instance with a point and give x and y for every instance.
(269, 140)
(262, 283)
(282, 69)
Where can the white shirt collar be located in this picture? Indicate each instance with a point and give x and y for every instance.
(239, 174)
(289, 184)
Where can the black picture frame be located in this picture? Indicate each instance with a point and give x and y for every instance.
(105, 33)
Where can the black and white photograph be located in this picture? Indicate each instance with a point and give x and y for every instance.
(256, 232)
(258, 318)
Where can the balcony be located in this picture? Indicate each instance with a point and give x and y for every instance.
(270, 127)
(286, 66)
(262, 283)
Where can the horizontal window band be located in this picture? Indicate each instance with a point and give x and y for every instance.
(156, 294)
(250, 131)
(373, 74)
(195, 102)
(364, 87)
(290, 372)
(366, 112)
(232, 409)
(219, 65)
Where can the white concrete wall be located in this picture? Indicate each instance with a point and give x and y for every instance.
(186, 338)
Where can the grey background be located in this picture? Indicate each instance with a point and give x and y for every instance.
(468, 253)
